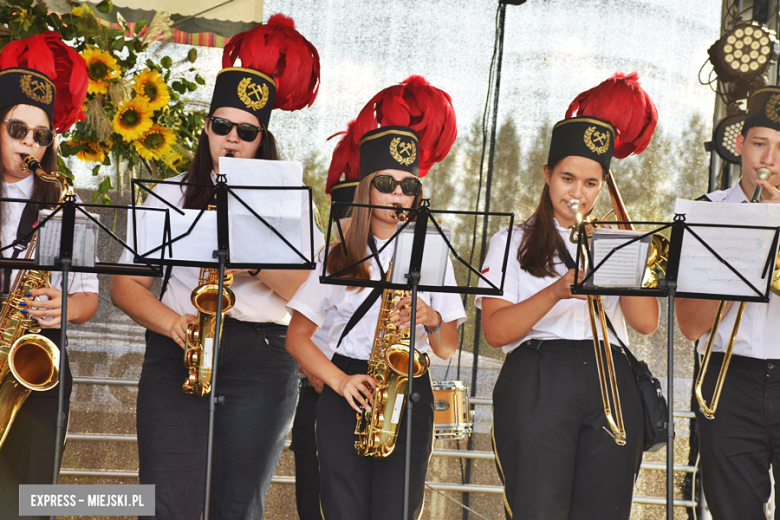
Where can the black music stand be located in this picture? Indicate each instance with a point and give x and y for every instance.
(668, 288)
(223, 193)
(422, 214)
(67, 211)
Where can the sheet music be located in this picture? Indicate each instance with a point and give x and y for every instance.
(84, 239)
(250, 240)
(745, 249)
(626, 265)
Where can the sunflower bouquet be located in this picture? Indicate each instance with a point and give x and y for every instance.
(135, 118)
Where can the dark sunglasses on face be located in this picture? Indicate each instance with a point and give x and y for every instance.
(18, 130)
(246, 132)
(386, 184)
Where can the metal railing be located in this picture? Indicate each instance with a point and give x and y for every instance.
(439, 486)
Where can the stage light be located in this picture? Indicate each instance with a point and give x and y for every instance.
(743, 52)
(724, 139)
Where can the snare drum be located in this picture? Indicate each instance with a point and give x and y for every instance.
(452, 417)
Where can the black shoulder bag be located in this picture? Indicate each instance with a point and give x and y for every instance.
(656, 411)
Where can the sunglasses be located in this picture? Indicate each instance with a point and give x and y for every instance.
(246, 132)
(386, 184)
(18, 130)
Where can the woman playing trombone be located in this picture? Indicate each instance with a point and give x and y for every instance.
(553, 455)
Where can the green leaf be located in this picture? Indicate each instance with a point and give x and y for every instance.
(139, 26)
(192, 55)
(199, 79)
(166, 62)
(105, 7)
(96, 170)
(118, 44)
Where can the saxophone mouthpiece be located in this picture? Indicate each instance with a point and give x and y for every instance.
(230, 154)
(29, 163)
(399, 213)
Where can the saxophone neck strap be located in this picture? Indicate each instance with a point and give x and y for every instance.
(24, 234)
(370, 299)
(360, 312)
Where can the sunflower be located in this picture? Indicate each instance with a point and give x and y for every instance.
(101, 67)
(155, 143)
(174, 160)
(91, 151)
(133, 119)
(150, 86)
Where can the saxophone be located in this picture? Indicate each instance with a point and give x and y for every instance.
(201, 334)
(377, 430)
(29, 362)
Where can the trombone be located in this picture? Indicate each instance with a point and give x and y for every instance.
(656, 273)
(709, 411)
(604, 363)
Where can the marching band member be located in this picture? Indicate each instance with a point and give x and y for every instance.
(394, 141)
(304, 439)
(257, 377)
(44, 83)
(743, 440)
(553, 456)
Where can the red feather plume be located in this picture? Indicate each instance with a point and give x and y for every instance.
(46, 53)
(621, 101)
(276, 49)
(414, 103)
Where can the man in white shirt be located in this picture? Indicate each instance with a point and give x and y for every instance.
(740, 444)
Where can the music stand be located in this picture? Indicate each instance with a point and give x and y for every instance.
(67, 210)
(223, 195)
(423, 216)
(668, 288)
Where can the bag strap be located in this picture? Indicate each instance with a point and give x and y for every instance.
(370, 299)
(563, 252)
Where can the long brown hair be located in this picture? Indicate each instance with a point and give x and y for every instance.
(357, 235)
(539, 246)
(202, 166)
(42, 190)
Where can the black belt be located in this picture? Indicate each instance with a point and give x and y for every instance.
(745, 363)
(563, 345)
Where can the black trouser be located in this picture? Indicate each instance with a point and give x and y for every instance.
(354, 487)
(555, 459)
(740, 444)
(304, 447)
(27, 456)
(258, 379)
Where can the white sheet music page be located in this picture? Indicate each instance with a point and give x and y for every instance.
(251, 241)
(746, 250)
(625, 266)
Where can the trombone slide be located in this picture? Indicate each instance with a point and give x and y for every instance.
(709, 411)
(606, 367)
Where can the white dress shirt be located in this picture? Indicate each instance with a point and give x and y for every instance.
(255, 301)
(12, 214)
(317, 301)
(757, 327)
(568, 319)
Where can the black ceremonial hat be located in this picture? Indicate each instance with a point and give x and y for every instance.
(390, 148)
(247, 90)
(583, 136)
(763, 109)
(343, 191)
(21, 86)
